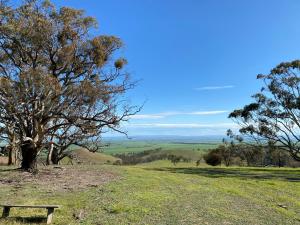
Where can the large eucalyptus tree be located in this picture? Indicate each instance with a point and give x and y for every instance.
(55, 74)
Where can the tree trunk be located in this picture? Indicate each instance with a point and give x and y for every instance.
(29, 157)
(56, 157)
(50, 154)
(18, 157)
(12, 151)
(11, 155)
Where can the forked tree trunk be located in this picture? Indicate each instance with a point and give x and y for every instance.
(29, 157)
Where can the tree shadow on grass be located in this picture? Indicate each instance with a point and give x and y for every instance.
(2, 170)
(28, 220)
(241, 173)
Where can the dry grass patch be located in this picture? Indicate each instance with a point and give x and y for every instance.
(57, 178)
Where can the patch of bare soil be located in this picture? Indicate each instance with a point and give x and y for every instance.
(58, 178)
(3, 160)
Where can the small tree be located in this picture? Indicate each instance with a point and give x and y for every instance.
(227, 152)
(274, 116)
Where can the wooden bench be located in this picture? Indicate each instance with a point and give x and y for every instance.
(50, 210)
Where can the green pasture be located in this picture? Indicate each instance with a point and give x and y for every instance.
(138, 146)
(159, 193)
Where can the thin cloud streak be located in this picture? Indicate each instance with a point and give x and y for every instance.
(166, 114)
(182, 125)
(210, 88)
(146, 116)
(208, 112)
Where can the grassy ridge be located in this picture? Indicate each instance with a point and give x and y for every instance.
(158, 193)
(87, 157)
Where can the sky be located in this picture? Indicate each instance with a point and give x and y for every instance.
(196, 60)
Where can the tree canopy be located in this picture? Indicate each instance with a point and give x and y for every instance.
(58, 82)
(274, 115)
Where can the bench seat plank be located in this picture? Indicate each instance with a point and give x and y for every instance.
(31, 206)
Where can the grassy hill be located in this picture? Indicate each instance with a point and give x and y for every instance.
(83, 156)
(156, 193)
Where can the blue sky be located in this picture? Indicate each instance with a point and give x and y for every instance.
(197, 59)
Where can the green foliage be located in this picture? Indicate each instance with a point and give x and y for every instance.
(273, 116)
(250, 155)
(176, 159)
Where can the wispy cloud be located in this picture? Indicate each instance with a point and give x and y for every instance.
(146, 116)
(210, 88)
(174, 113)
(208, 112)
(182, 125)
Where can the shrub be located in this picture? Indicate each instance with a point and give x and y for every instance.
(213, 158)
(141, 157)
(250, 155)
(174, 159)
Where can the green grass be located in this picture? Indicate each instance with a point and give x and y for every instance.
(159, 193)
(138, 146)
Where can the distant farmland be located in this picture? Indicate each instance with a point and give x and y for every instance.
(115, 147)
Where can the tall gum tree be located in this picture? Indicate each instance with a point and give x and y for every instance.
(54, 74)
(274, 115)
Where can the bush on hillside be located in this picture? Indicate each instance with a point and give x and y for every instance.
(141, 157)
(150, 156)
(213, 158)
(176, 159)
(249, 155)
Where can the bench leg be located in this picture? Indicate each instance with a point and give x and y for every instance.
(5, 212)
(50, 215)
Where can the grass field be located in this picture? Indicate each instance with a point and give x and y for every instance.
(156, 193)
(138, 146)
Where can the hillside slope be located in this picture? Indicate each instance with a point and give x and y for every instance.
(83, 156)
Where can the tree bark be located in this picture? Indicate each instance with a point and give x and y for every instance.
(56, 157)
(12, 150)
(11, 155)
(50, 154)
(29, 157)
